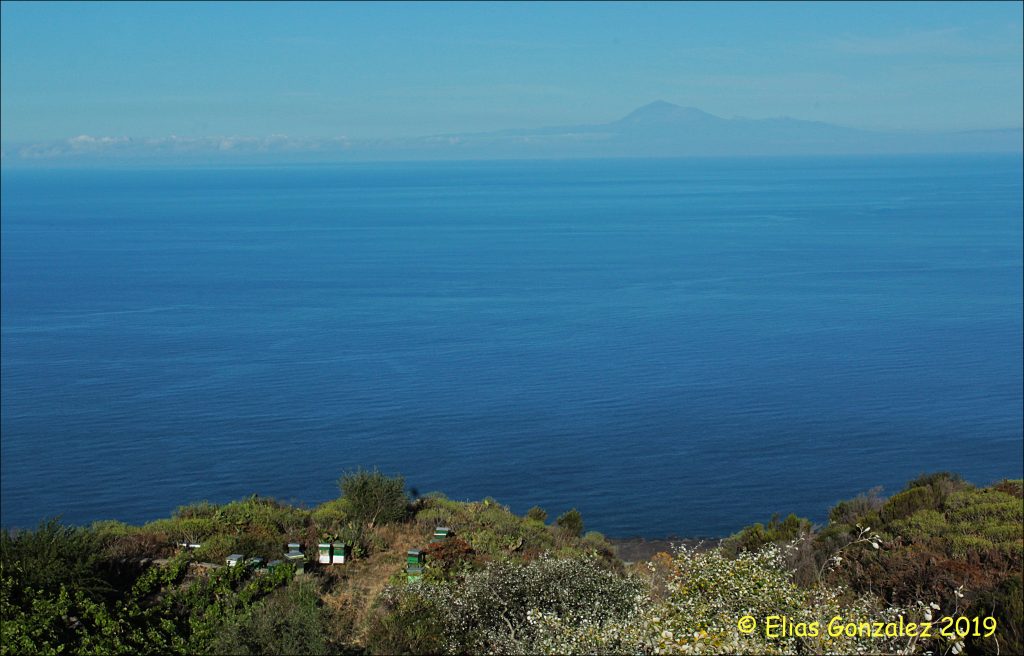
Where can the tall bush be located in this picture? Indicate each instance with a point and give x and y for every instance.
(571, 522)
(373, 497)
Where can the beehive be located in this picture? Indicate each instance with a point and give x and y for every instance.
(324, 549)
(340, 552)
(296, 557)
(414, 560)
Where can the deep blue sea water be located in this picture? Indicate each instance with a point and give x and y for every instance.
(671, 346)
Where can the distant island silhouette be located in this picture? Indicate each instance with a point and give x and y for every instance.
(658, 129)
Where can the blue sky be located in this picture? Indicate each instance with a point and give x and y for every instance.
(391, 70)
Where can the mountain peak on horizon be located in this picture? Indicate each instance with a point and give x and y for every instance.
(661, 111)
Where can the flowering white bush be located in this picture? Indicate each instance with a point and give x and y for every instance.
(576, 607)
(708, 595)
(501, 609)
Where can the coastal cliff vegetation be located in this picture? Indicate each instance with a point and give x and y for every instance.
(501, 583)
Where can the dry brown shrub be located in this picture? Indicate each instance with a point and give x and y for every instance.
(450, 554)
(139, 545)
(659, 572)
(1013, 488)
(911, 573)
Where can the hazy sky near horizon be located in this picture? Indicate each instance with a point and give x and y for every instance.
(404, 69)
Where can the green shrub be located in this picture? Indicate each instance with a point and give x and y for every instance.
(1006, 604)
(437, 515)
(854, 511)
(754, 537)
(331, 515)
(264, 545)
(922, 526)
(120, 541)
(1000, 532)
(571, 522)
(109, 529)
(32, 621)
(941, 484)
(373, 497)
(961, 546)
(216, 548)
(193, 529)
(537, 514)
(290, 620)
(491, 544)
(155, 613)
(908, 502)
(261, 514)
(490, 528)
(982, 517)
(213, 601)
(203, 509)
(405, 624)
(52, 557)
(979, 505)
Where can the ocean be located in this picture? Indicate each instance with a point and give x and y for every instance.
(674, 347)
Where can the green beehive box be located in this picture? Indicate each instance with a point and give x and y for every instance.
(340, 552)
(414, 559)
(298, 559)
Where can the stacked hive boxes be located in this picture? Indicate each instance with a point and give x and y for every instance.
(340, 552)
(296, 557)
(414, 560)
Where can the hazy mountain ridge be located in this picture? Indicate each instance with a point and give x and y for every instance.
(664, 129)
(659, 129)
